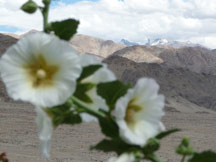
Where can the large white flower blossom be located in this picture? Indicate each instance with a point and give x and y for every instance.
(138, 113)
(45, 130)
(123, 158)
(100, 76)
(40, 69)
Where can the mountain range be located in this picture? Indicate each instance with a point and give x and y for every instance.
(161, 42)
(187, 75)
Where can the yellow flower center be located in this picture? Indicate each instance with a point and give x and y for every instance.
(131, 110)
(40, 73)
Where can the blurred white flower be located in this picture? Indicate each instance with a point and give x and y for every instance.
(100, 76)
(41, 69)
(45, 130)
(123, 158)
(139, 112)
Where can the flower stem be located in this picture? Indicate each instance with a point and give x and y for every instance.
(89, 110)
(183, 158)
(45, 13)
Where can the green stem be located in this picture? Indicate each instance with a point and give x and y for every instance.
(84, 106)
(183, 158)
(45, 13)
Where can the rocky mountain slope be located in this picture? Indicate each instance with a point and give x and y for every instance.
(177, 84)
(91, 45)
(195, 59)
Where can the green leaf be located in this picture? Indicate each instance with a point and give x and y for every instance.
(114, 145)
(88, 70)
(63, 115)
(81, 90)
(206, 156)
(109, 128)
(29, 7)
(112, 91)
(65, 29)
(152, 145)
(167, 133)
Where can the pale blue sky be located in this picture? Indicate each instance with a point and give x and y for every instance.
(11, 29)
(134, 20)
(71, 1)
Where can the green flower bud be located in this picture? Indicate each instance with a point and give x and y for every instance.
(29, 7)
(152, 145)
(184, 148)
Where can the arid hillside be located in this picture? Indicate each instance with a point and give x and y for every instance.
(91, 45)
(176, 84)
(195, 59)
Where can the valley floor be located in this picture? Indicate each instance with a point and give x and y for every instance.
(18, 135)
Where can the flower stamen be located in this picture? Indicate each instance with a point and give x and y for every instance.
(41, 74)
(131, 110)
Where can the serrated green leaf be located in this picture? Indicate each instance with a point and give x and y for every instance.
(29, 7)
(114, 145)
(112, 91)
(167, 133)
(81, 90)
(88, 70)
(206, 156)
(65, 29)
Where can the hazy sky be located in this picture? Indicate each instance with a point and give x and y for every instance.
(135, 20)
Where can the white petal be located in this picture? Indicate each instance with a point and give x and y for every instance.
(97, 103)
(100, 76)
(55, 52)
(123, 158)
(147, 121)
(87, 60)
(45, 130)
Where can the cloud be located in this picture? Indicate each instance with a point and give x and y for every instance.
(136, 20)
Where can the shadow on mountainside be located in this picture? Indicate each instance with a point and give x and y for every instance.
(174, 82)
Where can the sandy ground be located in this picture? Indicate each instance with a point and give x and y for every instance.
(18, 135)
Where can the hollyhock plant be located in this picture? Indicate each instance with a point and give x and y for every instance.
(139, 112)
(40, 69)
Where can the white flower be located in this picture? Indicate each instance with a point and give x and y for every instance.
(40, 69)
(139, 112)
(100, 76)
(123, 158)
(45, 130)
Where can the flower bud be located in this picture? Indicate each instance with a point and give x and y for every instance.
(29, 7)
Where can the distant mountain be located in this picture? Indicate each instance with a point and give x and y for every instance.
(214, 51)
(164, 43)
(179, 85)
(87, 44)
(195, 59)
(172, 43)
(139, 53)
(128, 43)
(187, 75)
